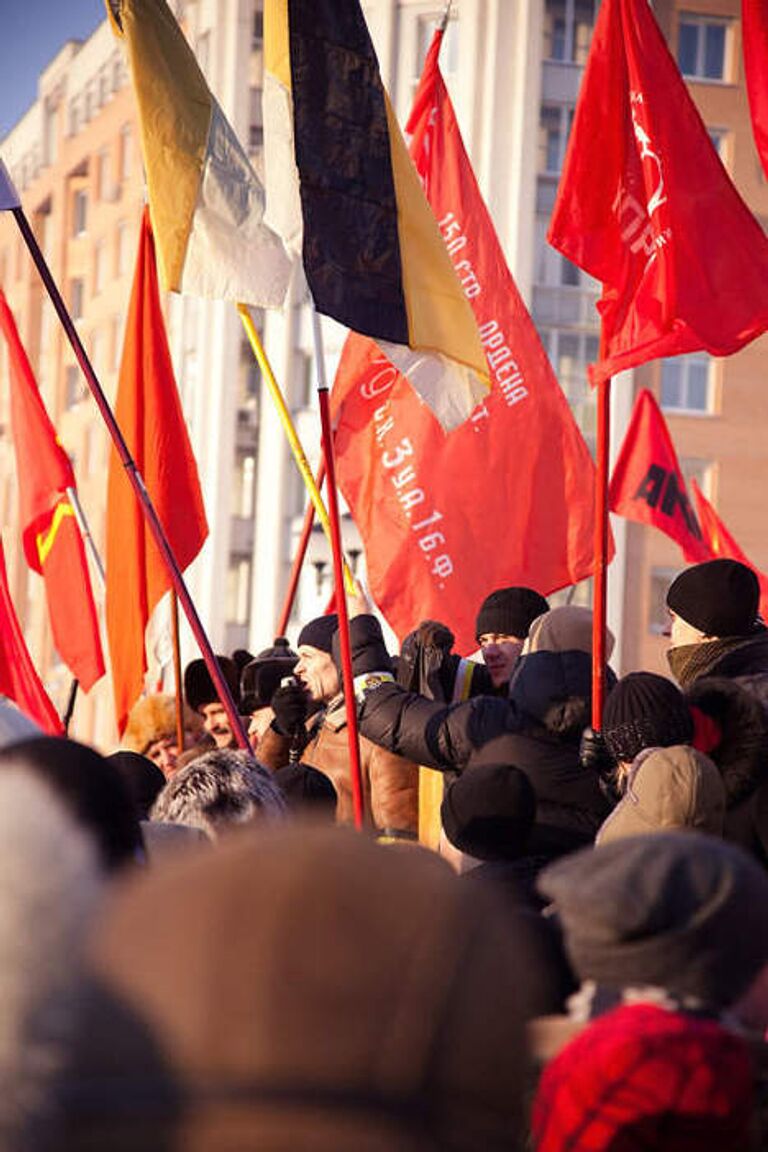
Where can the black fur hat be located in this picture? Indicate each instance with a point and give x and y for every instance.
(199, 688)
(261, 678)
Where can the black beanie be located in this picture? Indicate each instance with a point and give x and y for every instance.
(510, 612)
(719, 597)
(319, 633)
(645, 711)
(199, 688)
(489, 812)
(261, 678)
(677, 910)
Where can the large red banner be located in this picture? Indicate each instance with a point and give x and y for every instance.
(506, 498)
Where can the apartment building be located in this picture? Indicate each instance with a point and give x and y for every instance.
(513, 69)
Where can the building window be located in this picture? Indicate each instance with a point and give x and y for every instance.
(255, 121)
(126, 152)
(124, 241)
(702, 47)
(98, 350)
(568, 28)
(99, 266)
(658, 616)
(104, 175)
(239, 590)
(257, 31)
(202, 50)
(74, 388)
(686, 383)
(79, 212)
(694, 468)
(246, 485)
(76, 296)
(569, 354)
(555, 123)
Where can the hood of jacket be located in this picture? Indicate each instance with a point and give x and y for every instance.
(554, 689)
(674, 787)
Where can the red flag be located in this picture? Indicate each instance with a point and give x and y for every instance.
(149, 413)
(754, 37)
(18, 679)
(506, 498)
(647, 484)
(53, 545)
(646, 207)
(721, 543)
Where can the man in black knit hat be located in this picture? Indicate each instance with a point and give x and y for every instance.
(502, 625)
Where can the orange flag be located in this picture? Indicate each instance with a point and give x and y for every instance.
(149, 413)
(53, 545)
(647, 484)
(721, 543)
(18, 679)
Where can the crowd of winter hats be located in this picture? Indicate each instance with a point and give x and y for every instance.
(184, 964)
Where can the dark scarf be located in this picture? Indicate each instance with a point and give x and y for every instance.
(690, 662)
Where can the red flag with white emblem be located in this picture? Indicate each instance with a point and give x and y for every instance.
(647, 208)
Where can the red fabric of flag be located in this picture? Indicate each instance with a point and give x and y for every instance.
(150, 416)
(647, 484)
(647, 208)
(754, 37)
(18, 679)
(721, 543)
(53, 545)
(506, 498)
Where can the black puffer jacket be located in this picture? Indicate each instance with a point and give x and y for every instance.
(537, 730)
(741, 754)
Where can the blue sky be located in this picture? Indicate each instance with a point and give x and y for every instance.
(31, 33)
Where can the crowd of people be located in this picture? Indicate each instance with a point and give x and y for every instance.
(545, 936)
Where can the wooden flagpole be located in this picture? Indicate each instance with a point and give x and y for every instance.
(347, 676)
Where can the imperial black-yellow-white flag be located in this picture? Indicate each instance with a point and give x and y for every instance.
(342, 191)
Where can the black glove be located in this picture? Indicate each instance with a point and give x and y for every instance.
(594, 754)
(290, 706)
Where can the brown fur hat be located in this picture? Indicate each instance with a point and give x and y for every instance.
(154, 718)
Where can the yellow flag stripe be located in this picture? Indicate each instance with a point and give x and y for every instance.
(440, 318)
(46, 540)
(277, 50)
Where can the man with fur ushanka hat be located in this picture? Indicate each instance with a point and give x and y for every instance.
(310, 727)
(202, 697)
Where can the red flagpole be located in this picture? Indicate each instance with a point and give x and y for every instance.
(136, 481)
(347, 677)
(599, 604)
(298, 560)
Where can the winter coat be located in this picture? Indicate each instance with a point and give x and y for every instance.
(741, 755)
(537, 730)
(390, 783)
(674, 787)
